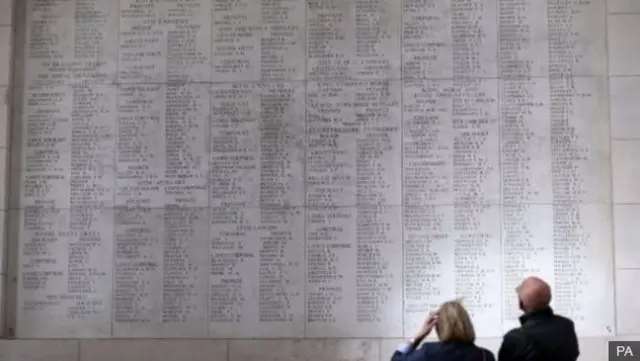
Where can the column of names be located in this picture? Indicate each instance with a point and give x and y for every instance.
(579, 153)
(66, 167)
(451, 169)
(527, 240)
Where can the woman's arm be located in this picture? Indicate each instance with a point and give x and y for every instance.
(410, 352)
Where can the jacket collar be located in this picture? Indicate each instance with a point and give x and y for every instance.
(537, 314)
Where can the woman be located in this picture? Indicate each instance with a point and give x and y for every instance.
(455, 332)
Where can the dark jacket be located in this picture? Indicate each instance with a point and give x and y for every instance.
(543, 336)
(445, 351)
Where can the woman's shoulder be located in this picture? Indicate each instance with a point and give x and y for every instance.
(446, 350)
(469, 348)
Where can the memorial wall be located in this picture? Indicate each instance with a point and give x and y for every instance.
(309, 168)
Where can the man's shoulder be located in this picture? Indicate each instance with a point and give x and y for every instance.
(515, 333)
(514, 338)
(563, 319)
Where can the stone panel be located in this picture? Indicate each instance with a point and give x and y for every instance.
(41, 350)
(626, 171)
(153, 350)
(301, 350)
(623, 49)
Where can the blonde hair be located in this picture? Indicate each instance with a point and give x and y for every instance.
(454, 323)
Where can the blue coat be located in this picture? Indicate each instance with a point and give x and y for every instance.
(444, 351)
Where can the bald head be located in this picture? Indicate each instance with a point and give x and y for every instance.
(534, 294)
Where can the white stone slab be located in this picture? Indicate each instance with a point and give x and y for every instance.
(352, 40)
(46, 149)
(624, 93)
(539, 39)
(626, 171)
(354, 272)
(623, 47)
(491, 344)
(593, 349)
(298, 350)
(627, 235)
(162, 144)
(6, 12)
(68, 156)
(578, 33)
(257, 43)
(65, 274)
(524, 40)
(554, 140)
(627, 284)
(525, 150)
(354, 144)
(67, 43)
(257, 144)
(570, 247)
(41, 350)
(583, 286)
(441, 41)
(451, 252)
(488, 162)
(153, 350)
(634, 337)
(623, 6)
(580, 129)
(527, 250)
(451, 142)
(160, 286)
(164, 42)
(388, 346)
(256, 273)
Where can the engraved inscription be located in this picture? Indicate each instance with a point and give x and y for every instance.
(308, 168)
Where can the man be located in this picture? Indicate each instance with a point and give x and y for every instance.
(543, 336)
